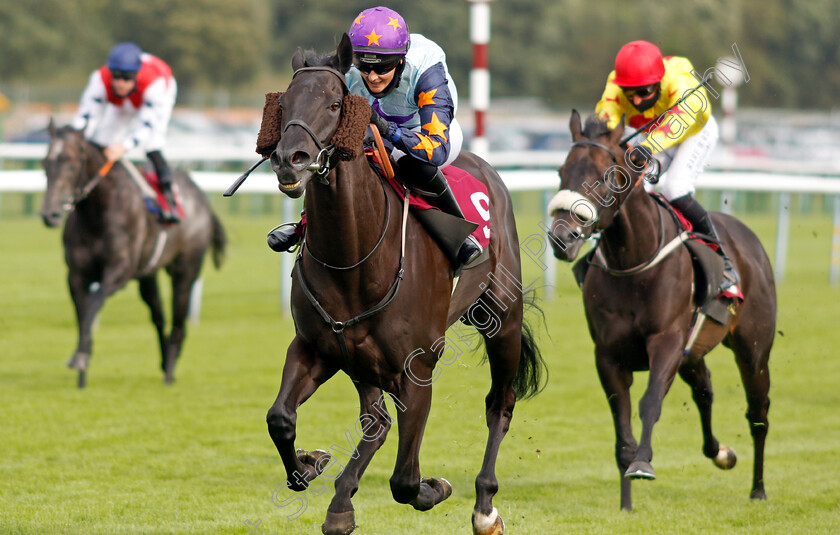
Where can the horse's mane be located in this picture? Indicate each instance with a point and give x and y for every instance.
(313, 59)
(595, 127)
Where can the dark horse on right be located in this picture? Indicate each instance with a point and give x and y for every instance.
(640, 319)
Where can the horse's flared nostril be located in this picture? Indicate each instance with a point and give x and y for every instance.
(300, 159)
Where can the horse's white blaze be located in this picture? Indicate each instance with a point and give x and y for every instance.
(484, 522)
(56, 148)
(574, 202)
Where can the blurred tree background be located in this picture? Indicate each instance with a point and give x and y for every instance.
(557, 50)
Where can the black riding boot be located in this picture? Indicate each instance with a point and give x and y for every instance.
(436, 190)
(164, 174)
(702, 223)
(281, 239)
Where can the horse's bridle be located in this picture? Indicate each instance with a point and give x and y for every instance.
(322, 166)
(589, 142)
(80, 193)
(662, 250)
(324, 161)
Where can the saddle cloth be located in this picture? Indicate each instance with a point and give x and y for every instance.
(149, 185)
(701, 264)
(160, 198)
(470, 193)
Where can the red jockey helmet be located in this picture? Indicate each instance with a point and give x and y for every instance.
(638, 63)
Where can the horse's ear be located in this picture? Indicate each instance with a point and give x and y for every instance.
(297, 60)
(51, 127)
(574, 125)
(344, 54)
(618, 132)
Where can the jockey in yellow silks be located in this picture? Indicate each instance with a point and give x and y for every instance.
(645, 85)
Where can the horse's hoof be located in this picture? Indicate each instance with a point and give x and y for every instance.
(442, 487)
(726, 458)
(82, 383)
(491, 524)
(317, 459)
(339, 523)
(640, 470)
(78, 361)
(758, 494)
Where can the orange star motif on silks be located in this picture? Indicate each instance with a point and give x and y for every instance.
(435, 127)
(425, 98)
(428, 144)
(394, 23)
(359, 19)
(373, 38)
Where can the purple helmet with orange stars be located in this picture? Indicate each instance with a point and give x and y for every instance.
(379, 31)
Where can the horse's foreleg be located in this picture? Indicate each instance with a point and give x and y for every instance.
(664, 354)
(699, 378)
(413, 402)
(303, 373)
(151, 296)
(88, 297)
(616, 382)
(374, 423)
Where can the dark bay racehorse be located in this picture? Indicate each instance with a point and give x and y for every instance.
(359, 307)
(640, 321)
(110, 238)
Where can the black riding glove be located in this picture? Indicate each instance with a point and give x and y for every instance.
(640, 155)
(381, 124)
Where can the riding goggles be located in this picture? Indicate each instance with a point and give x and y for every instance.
(642, 92)
(378, 68)
(123, 75)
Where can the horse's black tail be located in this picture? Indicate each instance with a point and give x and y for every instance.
(219, 242)
(532, 373)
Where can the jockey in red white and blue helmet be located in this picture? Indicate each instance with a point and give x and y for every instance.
(127, 103)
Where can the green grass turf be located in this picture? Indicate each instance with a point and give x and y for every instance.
(131, 455)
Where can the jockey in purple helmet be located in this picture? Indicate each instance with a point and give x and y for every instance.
(407, 83)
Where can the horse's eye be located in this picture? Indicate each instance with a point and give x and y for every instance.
(336, 105)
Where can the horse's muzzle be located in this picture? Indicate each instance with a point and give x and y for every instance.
(566, 236)
(291, 177)
(52, 219)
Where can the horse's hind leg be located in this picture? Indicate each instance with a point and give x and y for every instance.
(183, 277)
(151, 296)
(503, 353)
(752, 354)
(616, 382)
(375, 423)
(699, 378)
(303, 373)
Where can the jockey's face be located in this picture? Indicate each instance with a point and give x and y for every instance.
(643, 97)
(123, 82)
(377, 82)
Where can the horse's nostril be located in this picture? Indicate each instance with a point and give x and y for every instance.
(299, 157)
